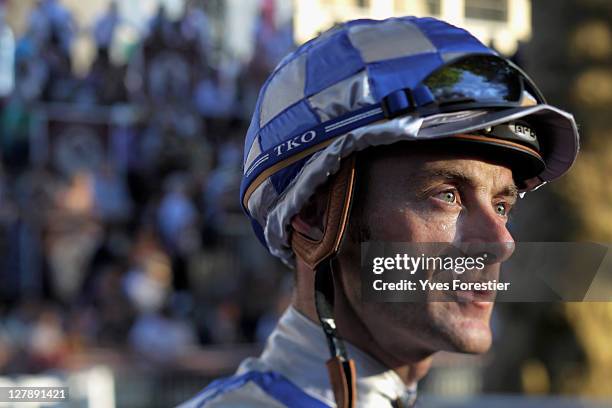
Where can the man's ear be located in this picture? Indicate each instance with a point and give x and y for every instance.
(310, 221)
(320, 225)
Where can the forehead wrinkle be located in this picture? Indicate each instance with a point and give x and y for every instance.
(449, 174)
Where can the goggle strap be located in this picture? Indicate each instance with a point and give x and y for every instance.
(406, 100)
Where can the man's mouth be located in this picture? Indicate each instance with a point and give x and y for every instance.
(481, 298)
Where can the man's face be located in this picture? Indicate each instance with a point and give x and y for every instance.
(421, 195)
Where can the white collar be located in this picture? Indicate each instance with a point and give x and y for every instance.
(298, 350)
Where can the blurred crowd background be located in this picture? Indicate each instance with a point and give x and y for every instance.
(122, 242)
(120, 223)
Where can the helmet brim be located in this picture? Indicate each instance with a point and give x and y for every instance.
(556, 130)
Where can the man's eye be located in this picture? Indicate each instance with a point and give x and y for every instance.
(501, 209)
(448, 196)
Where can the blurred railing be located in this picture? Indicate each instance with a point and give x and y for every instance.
(70, 135)
(108, 379)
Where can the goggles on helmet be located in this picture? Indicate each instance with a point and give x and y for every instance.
(471, 82)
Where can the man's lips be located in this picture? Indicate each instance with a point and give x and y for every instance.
(481, 298)
(475, 303)
(475, 296)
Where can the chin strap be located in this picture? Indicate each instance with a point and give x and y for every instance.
(341, 369)
(319, 256)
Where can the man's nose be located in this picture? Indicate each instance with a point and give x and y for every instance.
(481, 231)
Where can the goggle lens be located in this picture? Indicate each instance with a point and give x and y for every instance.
(480, 79)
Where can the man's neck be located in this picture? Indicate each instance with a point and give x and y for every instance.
(357, 335)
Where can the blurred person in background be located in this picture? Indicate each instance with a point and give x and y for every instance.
(72, 235)
(47, 341)
(104, 29)
(318, 182)
(164, 335)
(196, 27)
(52, 29)
(50, 18)
(219, 191)
(105, 76)
(178, 224)
(111, 200)
(7, 56)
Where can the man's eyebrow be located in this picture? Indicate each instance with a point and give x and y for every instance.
(510, 190)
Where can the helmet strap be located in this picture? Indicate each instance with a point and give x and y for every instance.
(341, 369)
(320, 255)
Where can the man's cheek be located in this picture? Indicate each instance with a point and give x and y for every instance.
(432, 226)
(410, 222)
(396, 223)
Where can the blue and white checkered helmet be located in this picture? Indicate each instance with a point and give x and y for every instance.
(367, 83)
